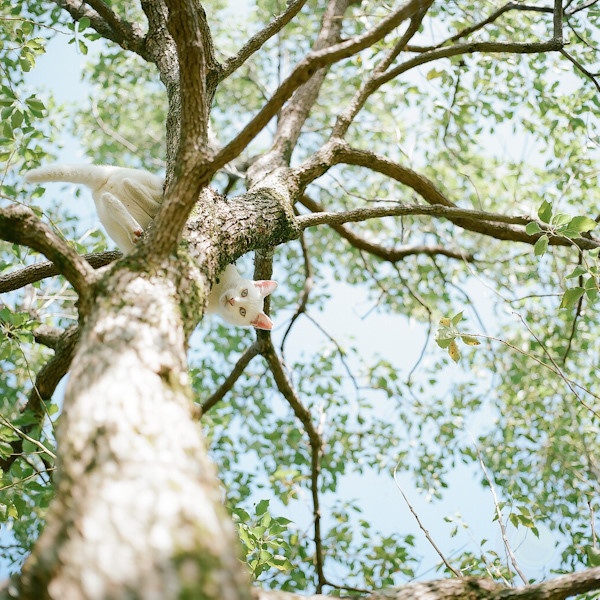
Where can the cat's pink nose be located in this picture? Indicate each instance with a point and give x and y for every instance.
(231, 301)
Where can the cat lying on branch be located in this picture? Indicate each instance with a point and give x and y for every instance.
(126, 201)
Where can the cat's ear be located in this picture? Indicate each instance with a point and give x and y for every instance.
(262, 321)
(265, 286)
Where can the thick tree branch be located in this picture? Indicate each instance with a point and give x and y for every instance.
(188, 27)
(18, 224)
(470, 48)
(490, 224)
(385, 252)
(558, 588)
(296, 111)
(108, 24)
(256, 42)
(195, 169)
(305, 69)
(18, 279)
(345, 118)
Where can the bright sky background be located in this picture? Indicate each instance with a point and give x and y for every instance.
(393, 336)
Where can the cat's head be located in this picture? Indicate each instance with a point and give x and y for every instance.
(242, 303)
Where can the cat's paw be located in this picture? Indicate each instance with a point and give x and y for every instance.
(137, 235)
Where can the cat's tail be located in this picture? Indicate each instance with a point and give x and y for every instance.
(91, 175)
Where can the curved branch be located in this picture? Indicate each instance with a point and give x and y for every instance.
(18, 279)
(305, 69)
(256, 42)
(286, 388)
(471, 48)
(296, 111)
(108, 24)
(45, 384)
(581, 68)
(230, 380)
(491, 224)
(345, 118)
(392, 255)
(19, 224)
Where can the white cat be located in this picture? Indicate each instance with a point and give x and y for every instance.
(239, 301)
(126, 199)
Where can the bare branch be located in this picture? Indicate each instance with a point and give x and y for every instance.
(32, 273)
(581, 7)
(494, 225)
(581, 68)
(316, 446)
(558, 21)
(256, 42)
(507, 547)
(470, 48)
(233, 376)
(294, 114)
(422, 527)
(491, 224)
(48, 336)
(108, 24)
(187, 24)
(392, 255)
(305, 69)
(18, 224)
(345, 118)
(304, 294)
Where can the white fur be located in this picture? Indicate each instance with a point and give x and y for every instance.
(126, 199)
(239, 301)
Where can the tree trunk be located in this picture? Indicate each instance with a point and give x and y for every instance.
(138, 510)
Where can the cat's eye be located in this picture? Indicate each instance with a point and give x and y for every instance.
(243, 311)
(244, 293)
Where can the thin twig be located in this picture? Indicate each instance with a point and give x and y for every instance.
(31, 440)
(505, 541)
(233, 376)
(422, 528)
(304, 294)
(581, 68)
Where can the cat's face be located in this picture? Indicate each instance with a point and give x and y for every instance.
(242, 303)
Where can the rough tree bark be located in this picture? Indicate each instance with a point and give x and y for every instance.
(138, 511)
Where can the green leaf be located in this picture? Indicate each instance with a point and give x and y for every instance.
(582, 224)
(470, 340)
(593, 555)
(434, 74)
(570, 297)
(577, 271)
(545, 212)
(261, 507)
(532, 228)
(541, 245)
(457, 318)
(84, 23)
